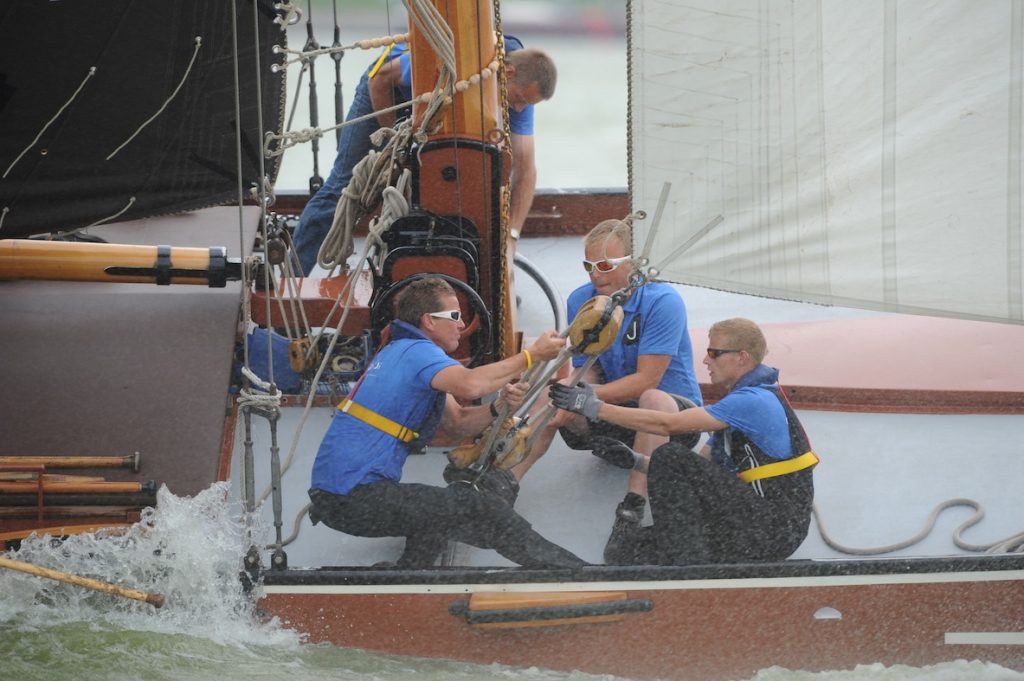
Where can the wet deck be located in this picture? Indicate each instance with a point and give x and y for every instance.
(98, 369)
(881, 473)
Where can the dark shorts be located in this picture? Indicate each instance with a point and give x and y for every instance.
(623, 434)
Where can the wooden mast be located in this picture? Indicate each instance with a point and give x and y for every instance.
(463, 165)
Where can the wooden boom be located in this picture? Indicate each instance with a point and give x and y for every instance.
(76, 261)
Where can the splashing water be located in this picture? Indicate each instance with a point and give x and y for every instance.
(190, 550)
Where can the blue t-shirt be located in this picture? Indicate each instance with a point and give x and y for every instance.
(519, 122)
(654, 323)
(756, 412)
(395, 385)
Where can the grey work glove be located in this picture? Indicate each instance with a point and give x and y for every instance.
(580, 399)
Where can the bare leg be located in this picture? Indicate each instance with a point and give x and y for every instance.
(645, 443)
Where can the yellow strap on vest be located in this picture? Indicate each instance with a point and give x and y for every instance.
(381, 423)
(380, 61)
(771, 470)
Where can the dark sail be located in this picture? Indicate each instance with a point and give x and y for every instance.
(142, 50)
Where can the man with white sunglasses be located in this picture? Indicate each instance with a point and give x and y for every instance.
(650, 364)
(410, 390)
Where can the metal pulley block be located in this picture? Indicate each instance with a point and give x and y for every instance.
(596, 326)
(510, 446)
(276, 250)
(298, 352)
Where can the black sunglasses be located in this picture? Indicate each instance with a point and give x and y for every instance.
(715, 353)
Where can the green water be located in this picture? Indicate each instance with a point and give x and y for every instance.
(83, 651)
(86, 652)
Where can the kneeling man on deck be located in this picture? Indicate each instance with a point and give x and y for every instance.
(747, 495)
(407, 393)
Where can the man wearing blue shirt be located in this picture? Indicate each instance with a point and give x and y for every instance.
(650, 363)
(748, 494)
(407, 393)
(530, 77)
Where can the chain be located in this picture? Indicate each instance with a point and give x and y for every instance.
(503, 103)
(506, 194)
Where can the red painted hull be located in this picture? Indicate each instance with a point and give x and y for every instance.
(698, 629)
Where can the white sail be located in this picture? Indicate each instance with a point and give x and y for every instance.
(862, 154)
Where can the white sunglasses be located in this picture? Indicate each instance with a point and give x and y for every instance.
(606, 265)
(454, 315)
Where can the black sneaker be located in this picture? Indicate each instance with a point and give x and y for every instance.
(628, 515)
(616, 453)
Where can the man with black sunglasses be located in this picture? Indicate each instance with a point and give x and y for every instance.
(650, 364)
(411, 389)
(747, 495)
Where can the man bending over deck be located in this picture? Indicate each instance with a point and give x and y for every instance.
(650, 364)
(747, 495)
(406, 394)
(530, 76)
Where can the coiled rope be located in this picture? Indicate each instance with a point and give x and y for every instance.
(1011, 544)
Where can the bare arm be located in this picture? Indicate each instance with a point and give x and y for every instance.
(696, 419)
(523, 181)
(464, 422)
(472, 384)
(649, 371)
(382, 90)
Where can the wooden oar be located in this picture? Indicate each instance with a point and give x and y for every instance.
(23, 476)
(154, 599)
(73, 487)
(132, 461)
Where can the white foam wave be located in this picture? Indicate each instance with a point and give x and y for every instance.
(188, 548)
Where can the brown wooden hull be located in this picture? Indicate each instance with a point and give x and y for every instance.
(707, 629)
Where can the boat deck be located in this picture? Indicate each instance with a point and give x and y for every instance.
(165, 394)
(884, 469)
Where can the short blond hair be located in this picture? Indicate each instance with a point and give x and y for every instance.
(611, 229)
(742, 334)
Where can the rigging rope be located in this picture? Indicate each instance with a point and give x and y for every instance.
(90, 74)
(261, 400)
(376, 230)
(371, 177)
(181, 83)
(304, 55)
(1012, 544)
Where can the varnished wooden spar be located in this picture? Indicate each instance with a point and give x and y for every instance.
(475, 113)
(131, 461)
(154, 599)
(466, 150)
(75, 487)
(120, 263)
